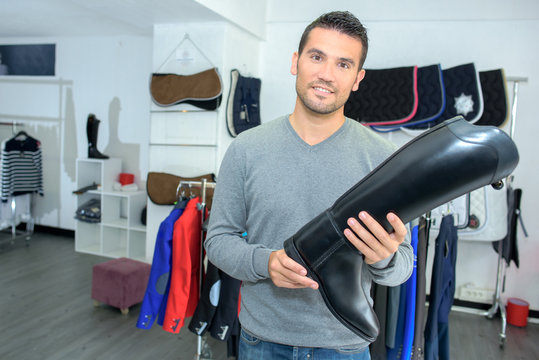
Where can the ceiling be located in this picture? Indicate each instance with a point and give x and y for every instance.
(39, 18)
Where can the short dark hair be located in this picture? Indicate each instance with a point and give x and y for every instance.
(343, 22)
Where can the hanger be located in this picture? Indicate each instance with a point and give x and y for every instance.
(186, 37)
(181, 198)
(21, 135)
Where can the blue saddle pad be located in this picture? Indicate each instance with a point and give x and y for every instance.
(243, 110)
(463, 95)
(431, 98)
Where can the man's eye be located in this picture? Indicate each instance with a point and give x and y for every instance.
(344, 65)
(316, 57)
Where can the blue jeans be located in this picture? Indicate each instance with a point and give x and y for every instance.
(252, 348)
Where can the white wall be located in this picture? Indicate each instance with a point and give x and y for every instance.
(216, 44)
(492, 34)
(107, 76)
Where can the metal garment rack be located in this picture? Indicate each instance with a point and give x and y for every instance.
(203, 349)
(500, 278)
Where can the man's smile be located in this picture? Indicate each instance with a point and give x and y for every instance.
(318, 88)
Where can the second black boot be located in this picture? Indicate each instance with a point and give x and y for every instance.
(449, 160)
(92, 127)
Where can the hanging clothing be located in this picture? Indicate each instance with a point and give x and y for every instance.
(411, 287)
(419, 347)
(208, 302)
(394, 353)
(22, 170)
(226, 313)
(185, 276)
(155, 299)
(393, 306)
(442, 292)
(218, 308)
(509, 242)
(378, 347)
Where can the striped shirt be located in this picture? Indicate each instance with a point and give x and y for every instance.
(22, 170)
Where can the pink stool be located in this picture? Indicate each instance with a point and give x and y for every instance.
(120, 283)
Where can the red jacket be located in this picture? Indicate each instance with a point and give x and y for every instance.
(185, 275)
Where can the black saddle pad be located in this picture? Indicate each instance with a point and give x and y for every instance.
(431, 95)
(384, 97)
(496, 109)
(463, 95)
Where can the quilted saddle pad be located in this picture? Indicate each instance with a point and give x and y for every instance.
(488, 215)
(384, 97)
(463, 95)
(203, 90)
(431, 98)
(496, 109)
(242, 109)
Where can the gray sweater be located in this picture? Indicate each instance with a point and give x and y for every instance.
(270, 184)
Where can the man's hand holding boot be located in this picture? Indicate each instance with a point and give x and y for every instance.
(287, 273)
(374, 242)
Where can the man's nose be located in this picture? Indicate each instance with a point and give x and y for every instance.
(326, 72)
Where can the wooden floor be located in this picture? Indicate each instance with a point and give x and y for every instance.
(47, 313)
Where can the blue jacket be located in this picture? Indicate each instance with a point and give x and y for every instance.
(155, 298)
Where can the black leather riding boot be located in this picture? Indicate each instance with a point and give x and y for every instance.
(92, 126)
(449, 160)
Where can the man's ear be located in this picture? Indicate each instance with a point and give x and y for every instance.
(294, 66)
(360, 76)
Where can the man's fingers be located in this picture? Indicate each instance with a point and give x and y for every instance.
(364, 235)
(371, 238)
(359, 244)
(285, 272)
(398, 226)
(374, 227)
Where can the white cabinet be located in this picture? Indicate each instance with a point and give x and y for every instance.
(120, 233)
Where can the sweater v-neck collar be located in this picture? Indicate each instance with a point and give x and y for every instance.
(318, 145)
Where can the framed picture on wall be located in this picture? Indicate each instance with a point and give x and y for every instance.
(28, 59)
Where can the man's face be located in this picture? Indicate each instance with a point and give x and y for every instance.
(327, 70)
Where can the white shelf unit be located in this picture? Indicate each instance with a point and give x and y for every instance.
(120, 232)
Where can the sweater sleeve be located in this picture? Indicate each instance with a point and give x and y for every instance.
(396, 269)
(226, 247)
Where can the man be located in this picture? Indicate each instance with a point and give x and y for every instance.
(276, 177)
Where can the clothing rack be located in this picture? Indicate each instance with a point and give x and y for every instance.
(500, 278)
(13, 124)
(203, 349)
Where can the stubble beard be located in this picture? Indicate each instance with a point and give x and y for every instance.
(318, 107)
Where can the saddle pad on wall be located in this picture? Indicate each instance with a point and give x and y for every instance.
(496, 110)
(243, 110)
(161, 187)
(490, 208)
(203, 90)
(463, 95)
(431, 97)
(384, 97)
(487, 214)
